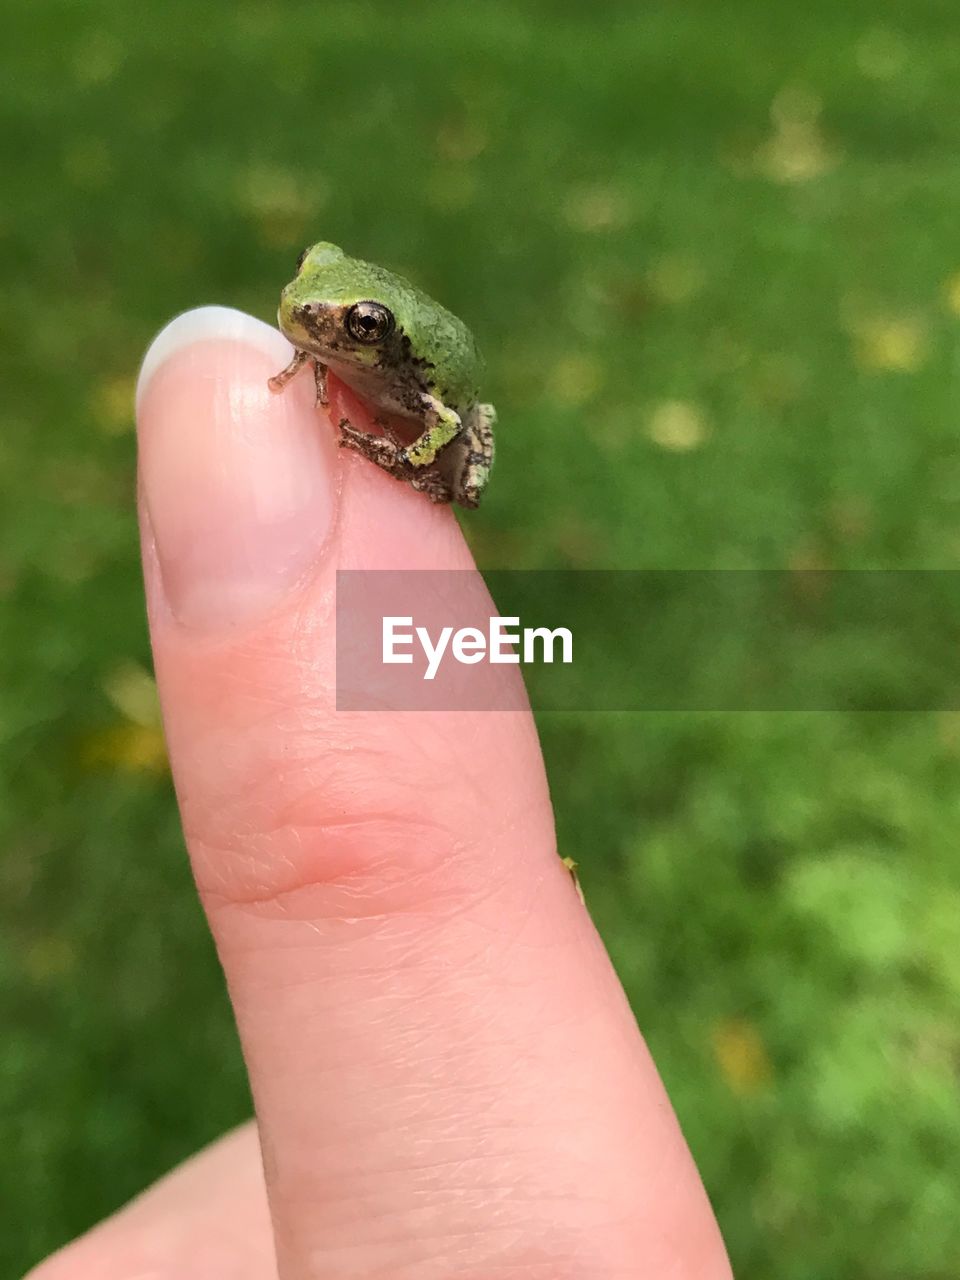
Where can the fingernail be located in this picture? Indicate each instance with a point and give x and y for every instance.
(239, 482)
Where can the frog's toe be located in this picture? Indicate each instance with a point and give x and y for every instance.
(352, 438)
(434, 486)
(470, 497)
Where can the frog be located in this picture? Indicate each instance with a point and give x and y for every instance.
(403, 354)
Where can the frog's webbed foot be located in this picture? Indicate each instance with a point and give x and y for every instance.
(433, 485)
(280, 380)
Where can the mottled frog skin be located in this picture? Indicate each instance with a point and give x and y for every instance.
(404, 355)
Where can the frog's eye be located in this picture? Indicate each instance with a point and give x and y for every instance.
(369, 322)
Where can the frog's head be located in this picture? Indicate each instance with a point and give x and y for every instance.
(338, 308)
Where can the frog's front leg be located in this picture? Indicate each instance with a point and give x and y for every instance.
(320, 382)
(443, 425)
(280, 380)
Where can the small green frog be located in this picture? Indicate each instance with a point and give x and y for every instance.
(403, 354)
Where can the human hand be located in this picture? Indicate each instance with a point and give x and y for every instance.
(447, 1078)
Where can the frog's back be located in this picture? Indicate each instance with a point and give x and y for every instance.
(436, 343)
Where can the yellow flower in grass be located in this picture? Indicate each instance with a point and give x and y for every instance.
(678, 426)
(598, 208)
(125, 748)
(136, 745)
(576, 379)
(891, 343)
(676, 279)
(113, 405)
(741, 1056)
(796, 150)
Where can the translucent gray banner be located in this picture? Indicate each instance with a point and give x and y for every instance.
(650, 640)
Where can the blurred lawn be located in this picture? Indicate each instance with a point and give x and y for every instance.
(711, 251)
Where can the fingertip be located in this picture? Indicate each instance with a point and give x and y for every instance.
(239, 485)
(204, 324)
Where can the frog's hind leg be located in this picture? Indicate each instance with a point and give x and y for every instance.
(387, 452)
(442, 424)
(479, 459)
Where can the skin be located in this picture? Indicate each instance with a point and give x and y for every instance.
(449, 1083)
(406, 356)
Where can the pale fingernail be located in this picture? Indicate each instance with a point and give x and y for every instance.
(240, 483)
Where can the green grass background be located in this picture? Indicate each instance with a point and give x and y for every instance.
(711, 251)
